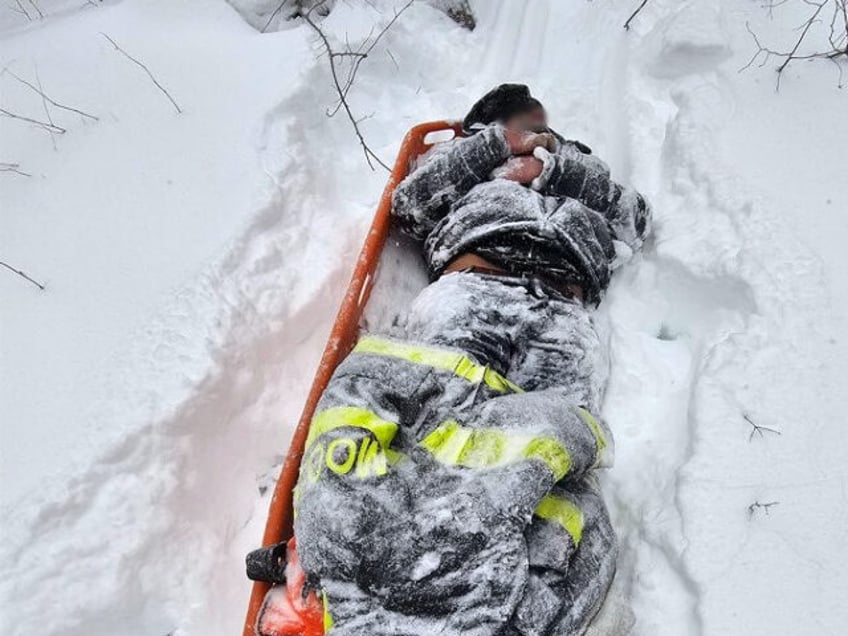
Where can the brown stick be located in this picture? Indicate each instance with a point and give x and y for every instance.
(23, 275)
(47, 126)
(634, 14)
(39, 90)
(839, 48)
(146, 70)
(13, 167)
(342, 90)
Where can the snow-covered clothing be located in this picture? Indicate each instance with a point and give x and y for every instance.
(416, 536)
(447, 484)
(545, 343)
(563, 227)
(434, 495)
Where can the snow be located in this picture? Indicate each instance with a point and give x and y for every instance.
(194, 263)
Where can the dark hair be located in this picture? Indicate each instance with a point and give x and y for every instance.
(500, 103)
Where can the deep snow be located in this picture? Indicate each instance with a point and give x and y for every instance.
(194, 263)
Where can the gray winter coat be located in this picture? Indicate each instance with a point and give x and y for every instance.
(562, 226)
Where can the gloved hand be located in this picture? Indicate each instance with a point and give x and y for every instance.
(549, 167)
(524, 169)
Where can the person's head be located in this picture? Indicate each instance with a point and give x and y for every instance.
(510, 105)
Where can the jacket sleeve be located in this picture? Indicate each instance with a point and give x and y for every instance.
(587, 179)
(421, 200)
(521, 444)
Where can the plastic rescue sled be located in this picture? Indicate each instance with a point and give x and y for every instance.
(280, 603)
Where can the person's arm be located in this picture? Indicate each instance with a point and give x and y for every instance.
(421, 200)
(521, 444)
(627, 211)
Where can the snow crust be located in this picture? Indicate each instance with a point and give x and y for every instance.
(194, 263)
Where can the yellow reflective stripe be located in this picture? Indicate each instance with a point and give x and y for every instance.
(447, 442)
(339, 416)
(372, 460)
(350, 455)
(457, 363)
(456, 445)
(595, 427)
(563, 512)
(328, 620)
(553, 453)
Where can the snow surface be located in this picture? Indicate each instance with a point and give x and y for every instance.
(194, 262)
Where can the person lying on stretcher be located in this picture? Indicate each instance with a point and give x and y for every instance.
(448, 483)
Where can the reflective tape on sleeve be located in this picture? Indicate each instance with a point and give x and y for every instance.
(563, 512)
(328, 619)
(600, 439)
(457, 363)
(456, 445)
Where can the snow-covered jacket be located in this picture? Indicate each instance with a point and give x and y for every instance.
(561, 227)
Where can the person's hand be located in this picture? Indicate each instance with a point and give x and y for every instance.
(520, 169)
(523, 142)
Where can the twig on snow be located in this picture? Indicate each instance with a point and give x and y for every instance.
(14, 168)
(634, 14)
(46, 110)
(297, 7)
(273, 15)
(771, 5)
(392, 58)
(38, 89)
(21, 9)
(757, 429)
(23, 275)
(837, 39)
(146, 70)
(36, 7)
(764, 506)
(53, 128)
(343, 87)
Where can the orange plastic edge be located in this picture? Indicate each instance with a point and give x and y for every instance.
(342, 339)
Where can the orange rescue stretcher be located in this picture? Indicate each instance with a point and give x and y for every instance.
(293, 613)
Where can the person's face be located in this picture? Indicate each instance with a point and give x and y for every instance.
(533, 120)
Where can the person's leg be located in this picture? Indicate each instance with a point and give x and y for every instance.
(478, 314)
(592, 567)
(570, 541)
(572, 563)
(559, 345)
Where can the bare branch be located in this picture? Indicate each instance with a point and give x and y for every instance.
(838, 43)
(14, 168)
(807, 26)
(47, 126)
(36, 7)
(146, 70)
(23, 275)
(21, 9)
(771, 5)
(761, 506)
(634, 14)
(757, 429)
(342, 88)
(46, 111)
(392, 58)
(38, 89)
(273, 15)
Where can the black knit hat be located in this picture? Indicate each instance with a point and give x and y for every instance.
(500, 103)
